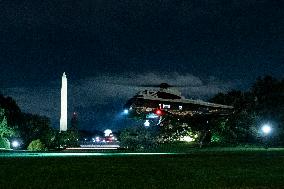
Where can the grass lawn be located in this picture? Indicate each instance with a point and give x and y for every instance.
(211, 168)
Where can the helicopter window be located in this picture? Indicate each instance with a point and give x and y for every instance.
(166, 106)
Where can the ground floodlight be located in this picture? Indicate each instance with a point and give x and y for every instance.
(266, 129)
(15, 144)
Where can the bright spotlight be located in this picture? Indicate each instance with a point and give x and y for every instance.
(15, 144)
(125, 111)
(266, 129)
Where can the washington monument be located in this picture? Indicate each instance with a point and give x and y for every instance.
(63, 117)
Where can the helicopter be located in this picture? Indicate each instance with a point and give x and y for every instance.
(168, 102)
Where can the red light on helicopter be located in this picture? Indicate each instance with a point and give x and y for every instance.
(158, 112)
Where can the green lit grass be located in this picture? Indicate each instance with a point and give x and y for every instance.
(205, 168)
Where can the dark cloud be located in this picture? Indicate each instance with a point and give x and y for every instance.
(126, 85)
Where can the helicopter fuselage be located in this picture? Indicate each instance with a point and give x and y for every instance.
(171, 102)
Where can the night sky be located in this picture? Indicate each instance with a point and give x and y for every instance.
(108, 47)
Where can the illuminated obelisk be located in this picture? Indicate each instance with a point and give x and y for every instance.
(63, 118)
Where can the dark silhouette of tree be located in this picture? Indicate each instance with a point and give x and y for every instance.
(12, 110)
(67, 138)
(138, 138)
(27, 127)
(33, 127)
(264, 102)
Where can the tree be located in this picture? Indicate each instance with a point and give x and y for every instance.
(26, 126)
(34, 127)
(174, 130)
(68, 138)
(12, 111)
(264, 102)
(5, 131)
(49, 138)
(238, 99)
(36, 145)
(4, 143)
(221, 132)
(138, 138)
(269, 97)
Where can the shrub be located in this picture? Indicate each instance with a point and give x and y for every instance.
(4, 143)
(36, 145)
(138, 138)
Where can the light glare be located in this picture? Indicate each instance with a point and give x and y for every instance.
(187, 139)
(266, 129)
(15, 144)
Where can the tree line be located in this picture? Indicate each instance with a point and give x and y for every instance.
(262, 104)
(32, 131)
